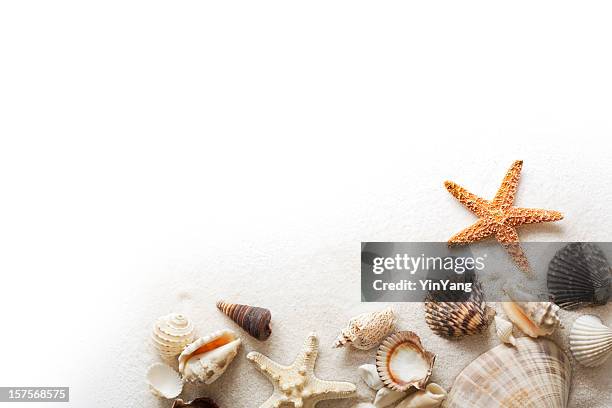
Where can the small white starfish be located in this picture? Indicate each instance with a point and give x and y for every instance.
(297, 384)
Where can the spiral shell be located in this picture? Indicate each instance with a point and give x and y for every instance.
(254, 320)
(431, 397)
(503, 328)
(196, 403)
(456, 319)
(579, 275)
(367, 330)
(532, 318)
(590, 341)
(171, 334)
(402, 362)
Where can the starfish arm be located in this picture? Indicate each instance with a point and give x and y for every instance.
(475, 232)
(508, 237)
(271, 402)
(518, 216)
(472, 202)
(267, 367)
(308, 355)
(505, 195)
(326, 390)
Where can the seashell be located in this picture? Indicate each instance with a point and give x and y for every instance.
(535, 373)
(456, 319)
(386, 396)
(402, 362)
(532, 318)
(364, 405)
(208, 357)
(369, 375)
(254, 320)
(171, 334)
(431, 397)
(590, 341)
(367, 330)
(164, 381)
(579, 275)
(196, 403)
(503, 328)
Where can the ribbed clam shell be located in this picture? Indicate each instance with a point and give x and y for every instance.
(172, 333)
(456, 319)
(164, 381)
(534, 374)
(402, 362)
(590, 341)
(196, 403)
(367, 330)
(579, 275)
(254, 320)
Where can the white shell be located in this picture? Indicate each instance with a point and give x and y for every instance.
(367, 330)
(503, 328)
(208, 357)
(370, 376)
(590, 341)
(364, 405)
(164, 381)
(386, 396)
(533, 318)
(431, 397)
(171, 334)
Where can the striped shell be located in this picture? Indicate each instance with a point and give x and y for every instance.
(254, 320)
(367, 330)
(534, 374)
(590, 341)
(171, 334)
(579, 275)
(456, 319)
(402, 362)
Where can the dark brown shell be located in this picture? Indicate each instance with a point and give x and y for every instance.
(196, 403)
(254, 320)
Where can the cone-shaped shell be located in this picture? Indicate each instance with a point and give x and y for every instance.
(579, 275)
(164, 381)
(208, 357)
(590, 341)
(254, 320)
(534, 374)
(533, 318)
(402, 362)
(172, 333)
(367, 330)
(503, 328)
(196, 403)
(456, 319)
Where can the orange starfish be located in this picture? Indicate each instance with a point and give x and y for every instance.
(499, 217)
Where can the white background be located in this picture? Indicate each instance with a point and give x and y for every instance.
(143, 142)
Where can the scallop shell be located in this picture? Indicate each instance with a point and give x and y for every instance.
(208, 357)
(369, 375)
(431, 397)
(590, 341)
(367, 330)
(196, 403)
(171, 334)
(402, 362)
(503, 328)
(164, 381)
(532, 318)
(534, 374)
(386, 397)
(456, 319)
(579, 275)
(254, 320)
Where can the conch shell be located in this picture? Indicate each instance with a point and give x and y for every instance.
(503, 329)
(367, 330)
(208, 357)
(431, 397)
(402, 362)
(532, 318)
(196, 403)
(171, 334)
(164, 381)
(386, 397)
(590, 341)
(254, 320)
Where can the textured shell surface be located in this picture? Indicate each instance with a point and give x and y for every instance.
(367, 330)
(172, 333)
(534, 374)
(369, 375)
(402, 362)
(579, 275)
(503, 328)
(590, 341)
(533, 318)
(386, 397)
(196, 403)
(164, 381)
(456, 319)
(254, 320)
(431, 397)
(208, 357)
